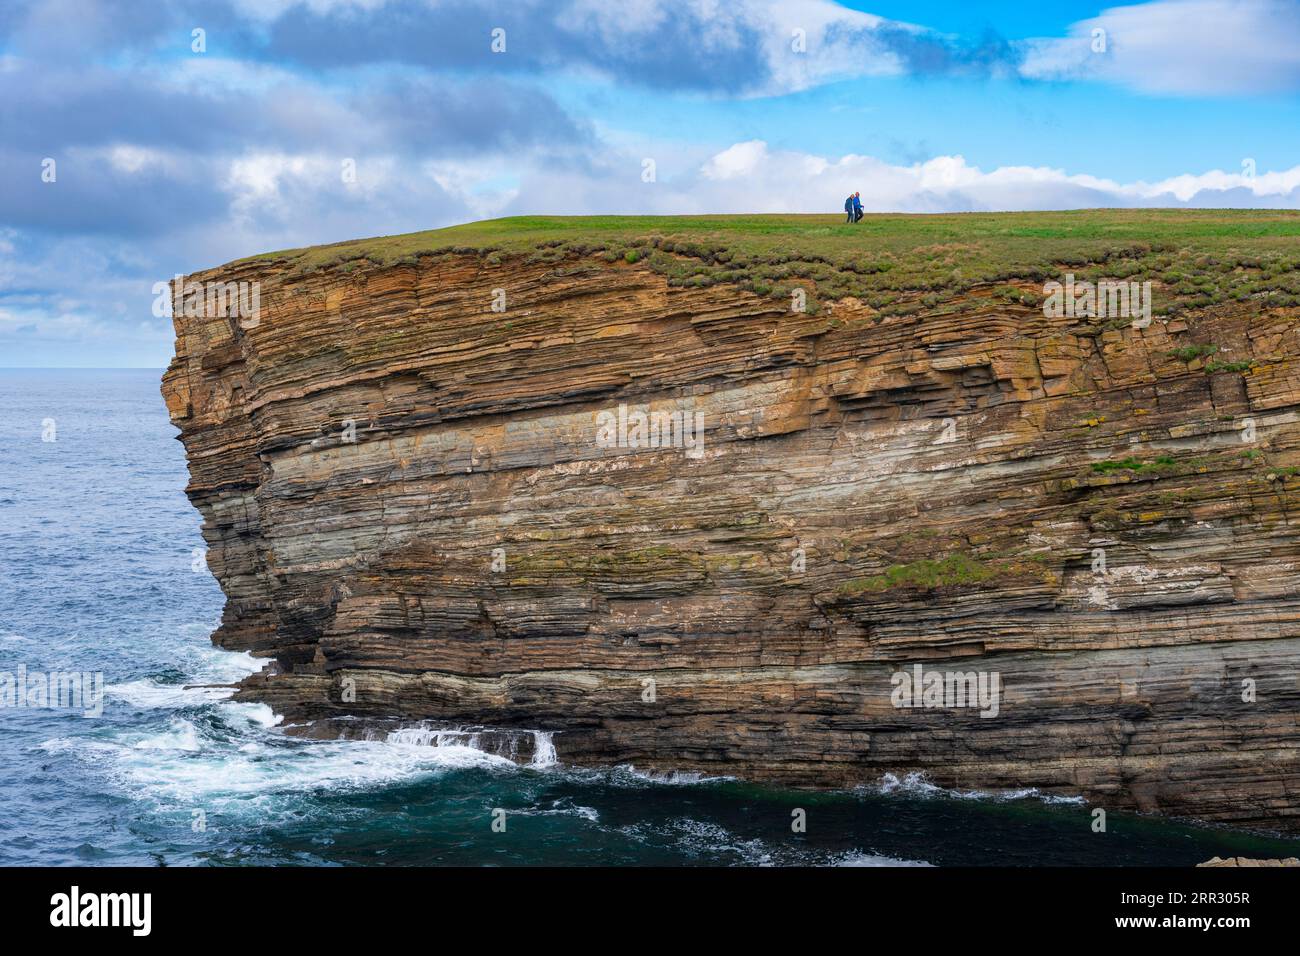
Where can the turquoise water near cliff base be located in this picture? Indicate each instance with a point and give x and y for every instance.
(96, 548)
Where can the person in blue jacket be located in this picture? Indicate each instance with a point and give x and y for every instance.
(857, 207)
(848, 210)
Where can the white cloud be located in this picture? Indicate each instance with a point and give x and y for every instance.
(750, 177)
(1209, 47)
(256, 177)
(1183, 47)
(1191, 47)
(80, 327)
(267, 10)
(837, 43)
(129, 158)
(739, 160)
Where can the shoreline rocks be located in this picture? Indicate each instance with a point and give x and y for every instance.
(1246, 861)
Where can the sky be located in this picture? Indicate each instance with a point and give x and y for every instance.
(143, 140)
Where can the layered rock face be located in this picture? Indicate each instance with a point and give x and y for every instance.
(425, 509)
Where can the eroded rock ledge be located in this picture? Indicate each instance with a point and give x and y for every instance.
(476, 556)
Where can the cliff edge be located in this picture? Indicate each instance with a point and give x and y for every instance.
(776, 497)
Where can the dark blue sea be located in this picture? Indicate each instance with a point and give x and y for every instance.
(98, 576)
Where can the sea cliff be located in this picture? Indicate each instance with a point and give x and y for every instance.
(714, 495)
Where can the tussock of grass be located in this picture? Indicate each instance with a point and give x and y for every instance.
(1133, 464)
(1189, 352)
(1246, 366)
(925, 574)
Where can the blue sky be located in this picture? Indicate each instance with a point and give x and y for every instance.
(170, 159)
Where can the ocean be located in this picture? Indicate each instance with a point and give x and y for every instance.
(98, 576)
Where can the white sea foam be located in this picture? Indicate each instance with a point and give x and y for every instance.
(1053, 798)
(209, 666)
(472, 737)
(181, 735)
(149, 695)
(422, 736)
(711, 840)
(181, 766)
(702, 837)
(916, 785)
(231, 760)
(543, 750)
(671, 778)
(259, 715)
(868, 859)
(560, 808)
(215, 665)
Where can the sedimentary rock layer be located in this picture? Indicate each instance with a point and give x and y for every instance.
(411, 507)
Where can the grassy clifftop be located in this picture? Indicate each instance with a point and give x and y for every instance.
(895, 263)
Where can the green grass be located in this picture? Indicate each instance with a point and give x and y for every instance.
(1189, 352)
(1132, 464)
(895, 263)
(926, 574)
(1246, 366)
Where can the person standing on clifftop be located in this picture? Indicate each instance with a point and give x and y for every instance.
(848, 210)
(857, 207)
